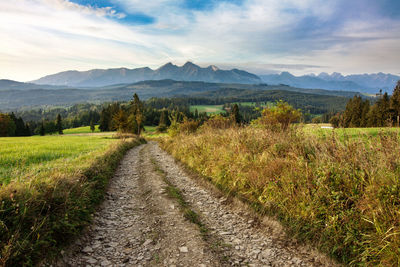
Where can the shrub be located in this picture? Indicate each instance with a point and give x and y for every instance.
(188, 126)
(219, 122)
(279, 116)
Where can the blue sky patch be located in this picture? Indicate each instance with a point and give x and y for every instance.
(128, 18)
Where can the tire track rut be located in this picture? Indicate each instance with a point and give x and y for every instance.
(138, 224)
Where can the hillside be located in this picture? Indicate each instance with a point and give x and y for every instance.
(14, 85)
(187, 72)
(18, 99)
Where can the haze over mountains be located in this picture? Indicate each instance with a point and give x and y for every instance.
(187, 72)
(366, 83)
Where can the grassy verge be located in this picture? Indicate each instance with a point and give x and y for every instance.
(343, 195)
(42, 213)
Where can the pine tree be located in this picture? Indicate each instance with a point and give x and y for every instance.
(104, 120)
(137, 112)
(356, 112)
(235, 114)
(59, 124)
(27, 131)
(92, 127)
(42, 131)
(395, 103)
(364, 113)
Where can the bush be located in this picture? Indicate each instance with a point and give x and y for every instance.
(279, 116)
(219, 122)
(335, 121)
(188, 126)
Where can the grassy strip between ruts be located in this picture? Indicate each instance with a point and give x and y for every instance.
(342, 195)
(38, 217)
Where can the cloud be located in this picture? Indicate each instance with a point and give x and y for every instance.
(46, 36)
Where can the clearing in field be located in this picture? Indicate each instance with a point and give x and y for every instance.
(81, 130)
(210, 109)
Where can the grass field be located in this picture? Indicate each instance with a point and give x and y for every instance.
(81, 130)
(150, 129)
(210, 109)
(24, 157)
(217, 109)
(348, 132)
(50, 187)
(253, 104)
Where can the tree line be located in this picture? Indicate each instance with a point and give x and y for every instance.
(384, 112)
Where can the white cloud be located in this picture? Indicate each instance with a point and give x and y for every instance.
(40, 37)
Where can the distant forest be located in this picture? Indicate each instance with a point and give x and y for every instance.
(359, 111)
(385, 112)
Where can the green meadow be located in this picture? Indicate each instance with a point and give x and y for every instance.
(26, 157)
(210, 109)
(81, 130)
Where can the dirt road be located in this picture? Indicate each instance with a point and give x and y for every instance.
(157, 215)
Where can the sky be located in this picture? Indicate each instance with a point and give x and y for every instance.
(41, 37)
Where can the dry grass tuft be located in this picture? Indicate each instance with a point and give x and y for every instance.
(342, 195)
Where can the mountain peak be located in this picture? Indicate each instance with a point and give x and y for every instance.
(213, 67)
(167, 66)
(190, 65)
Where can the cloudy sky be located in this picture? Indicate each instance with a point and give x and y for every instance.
(40, 37)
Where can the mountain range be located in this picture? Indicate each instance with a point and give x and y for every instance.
(366, 83)
(187, 72)
(100, 78)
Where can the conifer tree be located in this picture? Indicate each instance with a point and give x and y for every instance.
(42, 131)
(92, 127)
(59, 124)
(137, 117)
(104, 120)
(235, 114)
(395, 103)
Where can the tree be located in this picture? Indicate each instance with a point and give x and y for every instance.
(335, 121)
(120, 121)
(162, 125)
(92, 127)
(235, 114)
(137, 117)
(105, 119)
(42, 131)
(281, 114)
(364, 113)
(7, 125)
(395, 103)
(59, 124)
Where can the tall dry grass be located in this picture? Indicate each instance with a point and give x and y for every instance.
(341, 195)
